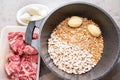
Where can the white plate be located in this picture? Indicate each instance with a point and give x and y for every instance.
(4, 46)
(23, 10)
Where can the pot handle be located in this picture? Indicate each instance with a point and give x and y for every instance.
(29, 33)
(35, 43)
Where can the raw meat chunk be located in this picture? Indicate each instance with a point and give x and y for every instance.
(15, 35)
(12, 67)
(30, 58)
(17, 46)
(30, 50)
(22, 59)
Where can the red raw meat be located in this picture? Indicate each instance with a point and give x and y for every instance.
(15, 35)
(30, 58)
(30, 50)
(14, 77)
(35, 36)
(12, 67)
(19, 35)
(15, 58)
(22, 58)
(29, 69)
(24, 78)
(32, 76)
(11, 54)
(17, 46)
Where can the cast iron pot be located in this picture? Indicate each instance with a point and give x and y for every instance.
(90, 11)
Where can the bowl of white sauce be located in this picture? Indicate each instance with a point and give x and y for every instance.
(31, 12)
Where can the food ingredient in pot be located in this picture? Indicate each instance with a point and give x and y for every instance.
(75, 21)
(94, 30)
(75, 50)
(22, 59)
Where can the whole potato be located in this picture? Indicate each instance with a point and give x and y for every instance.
(75, 21)
(94, 30)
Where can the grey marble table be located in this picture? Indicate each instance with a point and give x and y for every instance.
(8, 9)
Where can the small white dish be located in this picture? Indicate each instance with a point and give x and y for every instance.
(24, 10)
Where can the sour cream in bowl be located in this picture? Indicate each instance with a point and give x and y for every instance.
(32, 12)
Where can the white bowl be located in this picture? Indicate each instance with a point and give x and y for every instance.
(24, 10)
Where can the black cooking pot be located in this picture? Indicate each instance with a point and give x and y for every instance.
(90, 11)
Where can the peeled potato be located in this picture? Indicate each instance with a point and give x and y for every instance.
(33, 18)
(75, 21)
(25, 18)
(94, 30)
(33, 11)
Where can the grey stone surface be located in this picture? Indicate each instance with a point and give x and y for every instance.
(8, 9)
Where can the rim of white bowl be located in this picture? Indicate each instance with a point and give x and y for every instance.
(23, 10)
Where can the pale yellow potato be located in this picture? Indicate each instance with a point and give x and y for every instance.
(75, 21)
(94, 30)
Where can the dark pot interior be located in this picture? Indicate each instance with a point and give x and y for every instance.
(109, 32)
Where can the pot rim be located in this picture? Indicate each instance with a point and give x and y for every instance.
(100, 9)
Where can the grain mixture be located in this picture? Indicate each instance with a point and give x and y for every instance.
(75, 50)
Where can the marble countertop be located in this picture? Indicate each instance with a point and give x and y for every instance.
(10, 7)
